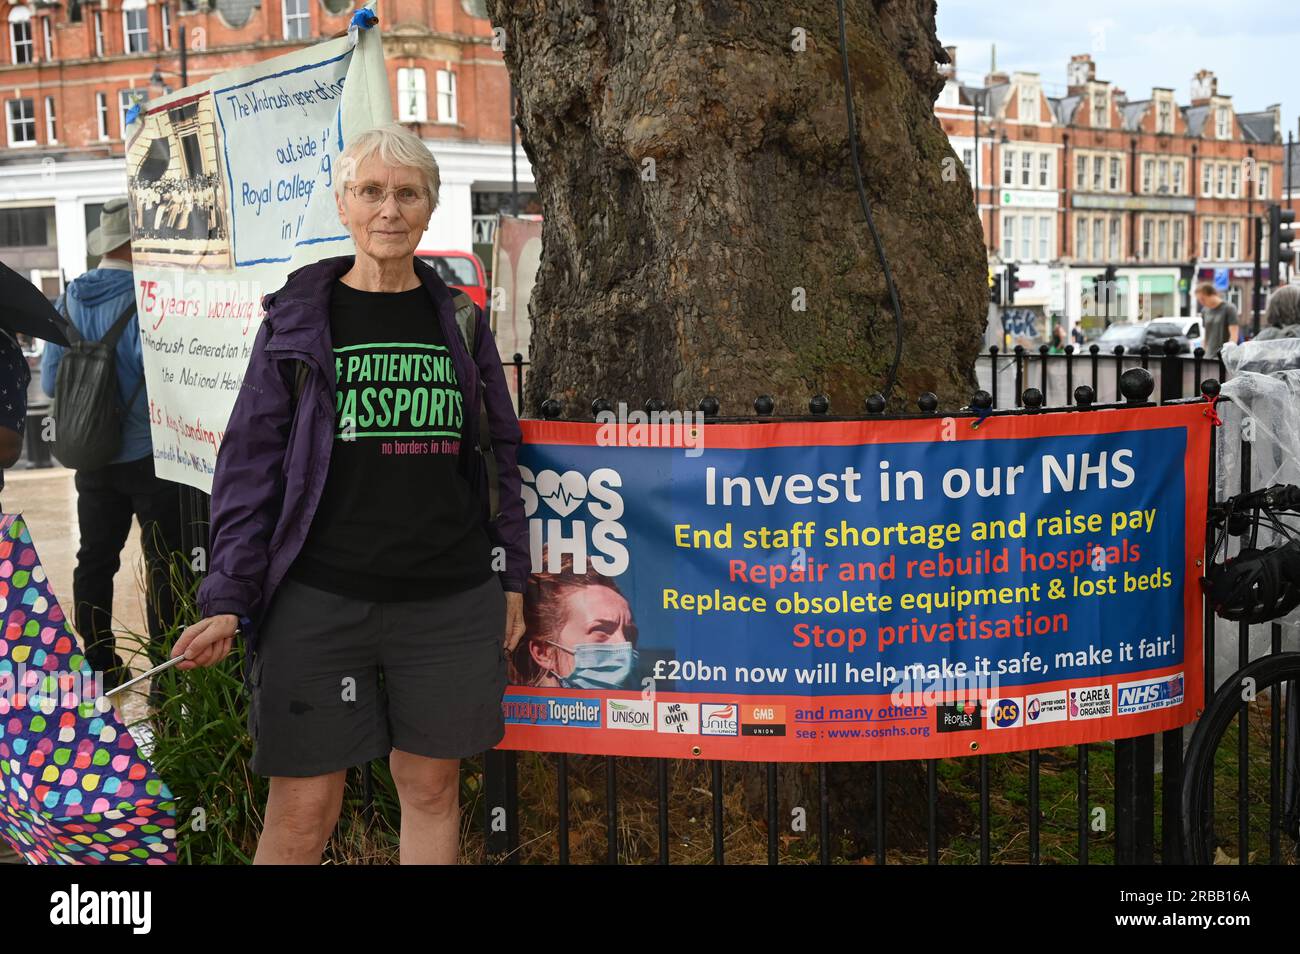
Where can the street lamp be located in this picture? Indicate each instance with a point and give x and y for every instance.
(156, 78)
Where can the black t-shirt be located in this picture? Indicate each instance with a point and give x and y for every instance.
(396, 520)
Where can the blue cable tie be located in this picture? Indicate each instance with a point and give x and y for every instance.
(364, 19)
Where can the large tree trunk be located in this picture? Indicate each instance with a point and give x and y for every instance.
(697, 187)
(695, 175)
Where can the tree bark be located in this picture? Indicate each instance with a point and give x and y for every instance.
(694, 170)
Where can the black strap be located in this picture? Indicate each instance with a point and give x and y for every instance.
(114, 333)
(110, 338)
(69, 328)
(134, 394)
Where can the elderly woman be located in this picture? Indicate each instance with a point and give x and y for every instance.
(351, 539)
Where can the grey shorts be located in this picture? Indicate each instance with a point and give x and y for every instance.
(336, 682)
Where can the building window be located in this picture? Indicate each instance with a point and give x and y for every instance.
(74, 11)
(1026, 168)
(22, 122)
(968, 160)
(412, 100)
(1080, 238)
(1008, 167)
(1146, 239)
(126, 98)
(1029, 103)
(1234, 249)
(1026, 238)
(1207, 179)
(1162, 240)
(446, 96)
(1097, 251)
(1165, 117)
(1223, 122)
(1116, 175)
(1098, 173)
(101, 114)
(1114, 238)
(1162, 176)
(135, 26)
(47, 36)
(99, 33)
(1235, 189)
(1008, 237)
(1221, 232)
(1221, 179)
(1148, 168)
(1099, 110)
(1264, 192)
(23, 228)
(1178, 177)
(1207, 233)
(1080, 172)
(1044, 238)
(297, 20)
(51, 124)
(1044, 170)
(1179, 248)
(20, 35)
(167, 24)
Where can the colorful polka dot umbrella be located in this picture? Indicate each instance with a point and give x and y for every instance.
(73, 787)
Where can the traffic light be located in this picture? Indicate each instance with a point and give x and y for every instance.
(1012, 282)
(1279, 242)
(995, 288)
(1109, 277)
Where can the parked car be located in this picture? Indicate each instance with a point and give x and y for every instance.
(1189, 328)
(460, 270)
(1133, 335)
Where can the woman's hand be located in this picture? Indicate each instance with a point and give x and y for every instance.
(207, 642)
(514, 620)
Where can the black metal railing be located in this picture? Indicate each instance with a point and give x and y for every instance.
(1136, 806)
(1018, 382)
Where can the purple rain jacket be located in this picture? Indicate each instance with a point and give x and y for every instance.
(270, 470)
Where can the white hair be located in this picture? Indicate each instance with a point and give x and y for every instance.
(395, 145)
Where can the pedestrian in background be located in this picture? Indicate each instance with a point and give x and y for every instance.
(14, 378)
(1282, 319)
(1218, 318)
(109, 496)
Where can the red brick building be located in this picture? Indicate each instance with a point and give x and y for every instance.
(70, 70)
(1068, 185)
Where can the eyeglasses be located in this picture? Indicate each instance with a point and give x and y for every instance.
(371, 194)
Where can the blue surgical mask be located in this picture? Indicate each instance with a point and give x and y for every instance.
(598, 665)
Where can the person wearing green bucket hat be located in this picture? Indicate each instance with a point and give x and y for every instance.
(97, 304)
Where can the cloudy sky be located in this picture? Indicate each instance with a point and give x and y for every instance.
(1137, 44)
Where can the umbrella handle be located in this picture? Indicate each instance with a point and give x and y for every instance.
(145, 675)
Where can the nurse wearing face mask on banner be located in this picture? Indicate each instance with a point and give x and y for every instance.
(579, 633)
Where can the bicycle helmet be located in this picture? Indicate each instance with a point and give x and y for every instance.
(1256, 585)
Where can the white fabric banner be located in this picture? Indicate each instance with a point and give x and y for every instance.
(230, 183)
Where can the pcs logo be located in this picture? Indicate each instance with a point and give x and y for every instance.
(576, 515)
(1006, 714)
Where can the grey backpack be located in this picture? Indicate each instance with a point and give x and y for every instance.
(87, 411)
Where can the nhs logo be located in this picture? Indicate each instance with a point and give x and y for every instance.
(1150, 694)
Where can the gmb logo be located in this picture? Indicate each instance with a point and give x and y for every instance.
(575, 514)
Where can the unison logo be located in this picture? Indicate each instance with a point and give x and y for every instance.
(75, 907)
